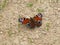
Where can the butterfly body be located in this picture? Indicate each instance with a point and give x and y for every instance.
(32, 22)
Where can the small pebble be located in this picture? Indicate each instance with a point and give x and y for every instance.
(1, 32)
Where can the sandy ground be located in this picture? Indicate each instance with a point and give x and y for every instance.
(13, 33)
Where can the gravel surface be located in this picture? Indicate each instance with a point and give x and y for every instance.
(13, 33)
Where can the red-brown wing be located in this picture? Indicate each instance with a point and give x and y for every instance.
(24, 20)
(38, 20)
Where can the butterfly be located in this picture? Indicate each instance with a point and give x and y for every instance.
(32, 22)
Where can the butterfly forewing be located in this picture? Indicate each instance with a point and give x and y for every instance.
(38, 20)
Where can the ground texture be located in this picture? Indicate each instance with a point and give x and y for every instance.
(13, 33)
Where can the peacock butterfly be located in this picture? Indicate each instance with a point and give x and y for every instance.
(32, 22)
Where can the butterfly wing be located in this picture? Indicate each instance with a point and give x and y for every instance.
(28, 22)
(24, 20)
(38, 19)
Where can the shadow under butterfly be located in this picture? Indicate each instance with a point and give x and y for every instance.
(32, 22)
